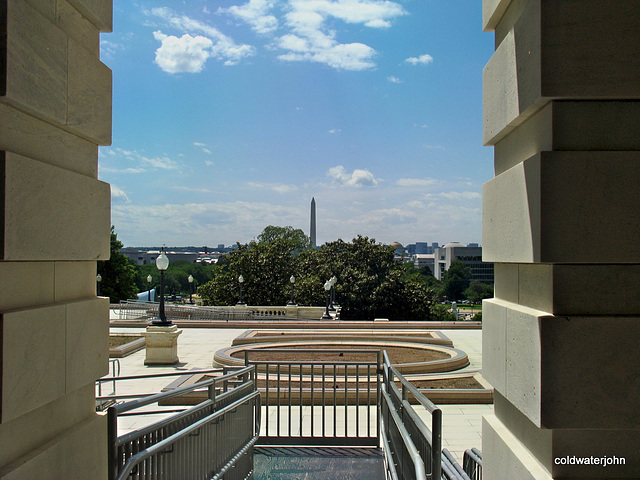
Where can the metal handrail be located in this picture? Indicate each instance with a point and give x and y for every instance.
(149, 445)
(432, 436)
(167, 442)
(472, 463)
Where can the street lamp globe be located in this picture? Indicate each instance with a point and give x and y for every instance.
(149, 279)
(292, 280)
(327, 288)
(162, 263)
(240, 281)
(190, 279)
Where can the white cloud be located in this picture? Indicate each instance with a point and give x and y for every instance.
(209, 163)
(162, 162)
(357, 178)
(335, 130)
(421, 60)
(121, 170)
(118, 195)
(255, 13)
(416, 182)
(199, 144)
(191, 189)
(460, 195)
(276, 187)
(311, 40)
(393, 79)
(189, 53)
(184, 54)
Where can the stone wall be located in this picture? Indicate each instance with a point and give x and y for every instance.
(55, 109)
(561, 221)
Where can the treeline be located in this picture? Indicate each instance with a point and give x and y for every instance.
(370, 283)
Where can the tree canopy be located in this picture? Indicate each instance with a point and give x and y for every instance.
(455, 280)
(118, 273)
(369, 283)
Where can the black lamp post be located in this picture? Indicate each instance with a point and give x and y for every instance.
(162, 263)
(332, 301)
(98, 280)
(241, 281)
(149, 278)
(190, 288)
(327, 287)
(293, 281)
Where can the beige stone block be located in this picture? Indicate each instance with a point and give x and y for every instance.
(504, 456)
(492, 12)
(561, 49)
(28, 136)
(614, 286)
(564, 207)
(87, 348)
(161, 345)
(564, 372)
(569, 289)
(494, 343)
(590, 368)
(36, 65)
(571, 126)
(74, 281)
(546, 445)
(506, 281)
(80, 452)
(22, 434)
(536, 287)
(78, 27)
(100, 12)
(89, 97)
(510, 215)
(531, 137)
(81, 218)
(511, 78)
(33, 359)
(25, 284)
(45, 7)
(590, 49)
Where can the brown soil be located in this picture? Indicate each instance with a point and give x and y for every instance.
(119, 340)
(299, 334)
(461, 382)
(397, 355)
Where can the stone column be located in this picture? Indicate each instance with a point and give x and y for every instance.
(561, 219)
(55, 109)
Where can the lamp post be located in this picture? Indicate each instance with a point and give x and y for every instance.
(292, 280)
(190, 288)
(98, 280)
(240, 281)
(162, 263)
(332, 303)
(327, 287)
(149, 278)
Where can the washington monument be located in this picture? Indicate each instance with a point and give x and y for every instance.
(312, 230)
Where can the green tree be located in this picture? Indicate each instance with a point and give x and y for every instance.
(266, 268)
(272, 233)
(456, 280)
(478, 291)
(118, 273)
(176, 277)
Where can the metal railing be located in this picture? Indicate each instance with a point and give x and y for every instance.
(413, 450)
(342, 397)
(472, 463)
(144, 311)
(204, 441)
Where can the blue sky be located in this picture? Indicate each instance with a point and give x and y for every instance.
(230, 115)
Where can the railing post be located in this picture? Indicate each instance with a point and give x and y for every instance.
(112, 437)
(436, 447)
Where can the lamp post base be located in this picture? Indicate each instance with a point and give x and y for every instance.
(162, 345)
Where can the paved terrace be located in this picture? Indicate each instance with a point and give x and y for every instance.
(196, 347)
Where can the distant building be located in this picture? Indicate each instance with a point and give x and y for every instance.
(421, 260)
(470, 255)
(144, 257)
